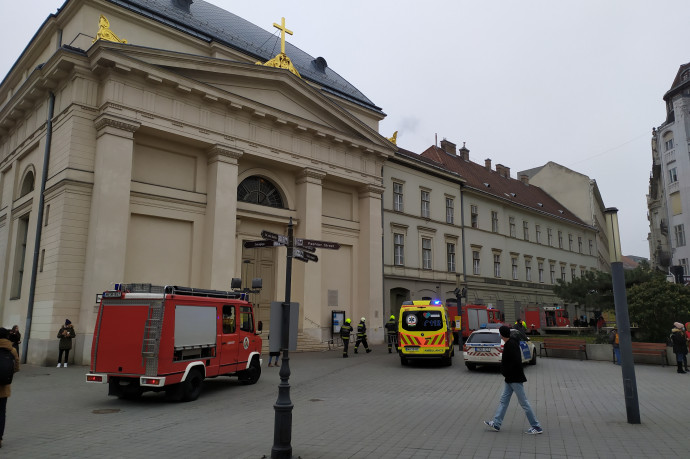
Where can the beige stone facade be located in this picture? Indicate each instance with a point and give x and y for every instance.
(150, 142)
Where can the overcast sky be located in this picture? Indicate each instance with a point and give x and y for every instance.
(579, 82)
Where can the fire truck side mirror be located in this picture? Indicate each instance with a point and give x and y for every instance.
(236, 283)
(257, 283)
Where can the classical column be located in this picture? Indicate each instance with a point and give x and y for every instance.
(369, 254)
(221, 215)
(106, 244)
(307, 279)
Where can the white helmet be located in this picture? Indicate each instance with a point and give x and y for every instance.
(363, 319)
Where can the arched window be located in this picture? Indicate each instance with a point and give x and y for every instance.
(258, 190)
(27, 184)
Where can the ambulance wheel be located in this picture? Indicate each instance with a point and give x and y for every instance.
(448, 361)
(471, 366)
(533, 360)
(404, 361)
(191, 387)
(252, 374)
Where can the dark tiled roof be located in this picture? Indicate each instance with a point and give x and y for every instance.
(677, 82)
(211, 23)
(490, 182)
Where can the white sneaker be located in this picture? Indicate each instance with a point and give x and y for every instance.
(58, 366)
(65, 364)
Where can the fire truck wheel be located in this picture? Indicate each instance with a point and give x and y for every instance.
(191, 387)
(252, 374)
(404, 361)
(471, 366)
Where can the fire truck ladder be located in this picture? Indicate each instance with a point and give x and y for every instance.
(152, 335)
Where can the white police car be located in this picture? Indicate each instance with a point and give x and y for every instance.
(485, 347)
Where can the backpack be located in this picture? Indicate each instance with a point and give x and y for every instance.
(6, 367)
(612, 337)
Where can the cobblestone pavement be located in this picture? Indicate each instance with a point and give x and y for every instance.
(367, 406)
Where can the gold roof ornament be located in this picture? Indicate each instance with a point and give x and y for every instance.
(394, 139)
(281, 60)
(104, 32)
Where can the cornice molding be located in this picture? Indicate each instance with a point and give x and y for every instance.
(106, 120)
(308, 175)
(224, 153)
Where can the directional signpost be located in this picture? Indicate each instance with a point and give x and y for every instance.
(303, 250)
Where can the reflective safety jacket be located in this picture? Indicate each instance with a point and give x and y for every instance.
(345, 331)
(392, 327)
(361, 330)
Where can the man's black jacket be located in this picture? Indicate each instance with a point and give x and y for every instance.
(511, 362)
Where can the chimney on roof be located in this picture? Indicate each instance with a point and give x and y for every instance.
(448, 147)
(524, 178)
(464, 152)
(487, 163)
(503, 171)
(499, 169)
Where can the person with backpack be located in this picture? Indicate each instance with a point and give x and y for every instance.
(680, 345)
(9, 365)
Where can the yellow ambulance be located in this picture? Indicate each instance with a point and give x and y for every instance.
(424, 332)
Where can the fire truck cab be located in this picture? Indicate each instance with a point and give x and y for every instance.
(151, 338)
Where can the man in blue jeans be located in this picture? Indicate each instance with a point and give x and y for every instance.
(511, 368)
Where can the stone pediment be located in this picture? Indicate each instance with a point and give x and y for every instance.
(271, 91)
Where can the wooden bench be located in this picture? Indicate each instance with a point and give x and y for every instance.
(648, 349)
(563, 344)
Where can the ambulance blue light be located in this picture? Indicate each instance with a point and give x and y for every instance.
(437, 301)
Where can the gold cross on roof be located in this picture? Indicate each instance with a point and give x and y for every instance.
(283, 31)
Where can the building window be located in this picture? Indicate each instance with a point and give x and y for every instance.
(258, 190)
(497, 265)
(514, 262)
(673, 175)
(398, 249)
(426, 253)
(679, 230)
(528, 270)
(494, 221)
(579, 244)
(684, 263)
(582, 273)
(668, 144)
(511, 221)
(426, 213)
(474, 216)
(570, 242)
(19, 257)
(397, 197)
(552, 273)
(475, 263)
(560, 239)
(449, 210)
(525, 230)
(563, 273)
(572, 274)
(540, 267)
(450, 255)
(537, 232)
(549, 237)
(591, 247)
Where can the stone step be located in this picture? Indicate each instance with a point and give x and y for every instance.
(305, 343)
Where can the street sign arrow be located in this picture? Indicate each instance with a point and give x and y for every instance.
(264, 243)
(320, 244)
(274, 237)
(299, 242)
(306, 255)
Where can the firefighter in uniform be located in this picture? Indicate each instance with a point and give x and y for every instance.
(391, 331)
(362, 335)
(345, 331)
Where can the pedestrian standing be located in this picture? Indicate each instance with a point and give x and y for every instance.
(614, 340)
(5, 389)
(272, 354)
(511, 368)
(362, 335)
(680, 345)
(345, 331)
(391, 331)
(687, 341)
(15, 338)
(65, 335)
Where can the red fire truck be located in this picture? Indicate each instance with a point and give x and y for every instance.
(150, 338)
(472, 318)
(545, 317)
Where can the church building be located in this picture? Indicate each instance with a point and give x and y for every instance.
(145, 141)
